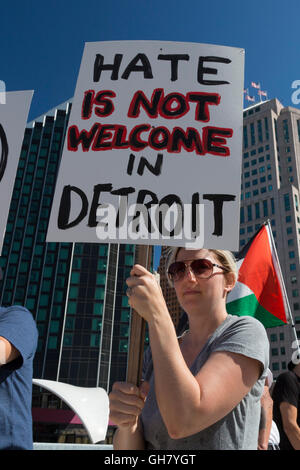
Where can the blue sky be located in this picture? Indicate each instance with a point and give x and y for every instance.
(41, 43)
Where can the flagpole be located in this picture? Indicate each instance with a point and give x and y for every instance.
(291, 320)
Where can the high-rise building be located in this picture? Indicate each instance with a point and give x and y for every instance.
(75, 291)
(270, 190)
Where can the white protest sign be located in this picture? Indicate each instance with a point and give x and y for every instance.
(14, 108)
(153, 149)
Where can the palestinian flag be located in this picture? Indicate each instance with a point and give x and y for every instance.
(259, 291)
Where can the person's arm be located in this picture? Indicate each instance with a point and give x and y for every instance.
(266, 419)
(8, 352)
(199, 400)
(289, 422)
(126, 404)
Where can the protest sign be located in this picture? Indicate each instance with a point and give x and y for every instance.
(14, 107)
(153, 148)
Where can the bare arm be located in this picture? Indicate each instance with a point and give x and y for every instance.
(219, 386)
(290, 426)
(7, 351)
(266, 419)
(126, 404)
(199, 400)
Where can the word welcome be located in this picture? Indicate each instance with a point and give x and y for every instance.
(103, 137)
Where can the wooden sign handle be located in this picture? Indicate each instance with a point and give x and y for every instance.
(137, 326)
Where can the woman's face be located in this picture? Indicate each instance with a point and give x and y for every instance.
(196, 293)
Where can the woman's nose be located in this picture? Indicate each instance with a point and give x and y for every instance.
(190, 273)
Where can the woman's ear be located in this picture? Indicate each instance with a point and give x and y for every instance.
(230, 281)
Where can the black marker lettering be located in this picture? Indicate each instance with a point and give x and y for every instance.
(145, 67)
(207, 70)
(218, 200)
(4, 152)
(99, 66)
(174, 59)
(65, 208)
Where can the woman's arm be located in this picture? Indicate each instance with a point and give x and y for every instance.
(126, 404)
(129, 438)
(199, 400)
(202, 400)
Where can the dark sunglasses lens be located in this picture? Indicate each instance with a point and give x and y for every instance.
(176, 270)
(202, 267)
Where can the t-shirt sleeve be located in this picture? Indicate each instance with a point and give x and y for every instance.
(246, 336)
(18, 327)
(286, 390)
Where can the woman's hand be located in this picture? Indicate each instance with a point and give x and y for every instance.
(145, 294)
(126, 403)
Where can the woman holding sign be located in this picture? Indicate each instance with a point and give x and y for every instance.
(204, 388)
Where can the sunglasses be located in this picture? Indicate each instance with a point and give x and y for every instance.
(201, 268)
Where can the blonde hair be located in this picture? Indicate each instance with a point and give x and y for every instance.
(224, 257)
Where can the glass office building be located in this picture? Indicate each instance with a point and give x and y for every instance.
(75, 291)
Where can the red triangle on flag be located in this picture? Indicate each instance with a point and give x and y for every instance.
(260, 273)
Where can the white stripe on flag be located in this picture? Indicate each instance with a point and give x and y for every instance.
(240, 290)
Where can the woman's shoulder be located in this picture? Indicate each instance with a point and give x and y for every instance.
(244, 323)
(245, 335)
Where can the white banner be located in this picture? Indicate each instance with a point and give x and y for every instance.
(14, 108)
(153, 148)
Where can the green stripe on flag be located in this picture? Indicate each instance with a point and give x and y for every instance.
(249, 306)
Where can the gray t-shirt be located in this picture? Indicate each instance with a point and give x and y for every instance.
(239, 429)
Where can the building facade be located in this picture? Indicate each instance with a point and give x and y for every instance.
(270, 190)
(75, 291)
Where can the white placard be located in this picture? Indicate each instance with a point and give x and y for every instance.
(14, 108)
(158, 124)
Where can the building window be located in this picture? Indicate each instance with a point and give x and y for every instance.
(259, 131)
(298, 127)
(285, 131)
(272, 206)
(265, 208)
(249, 213)
(257, 210)
(252, 134)
(266, 129)
(242, 215)
(245, 137)
(287, 204)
